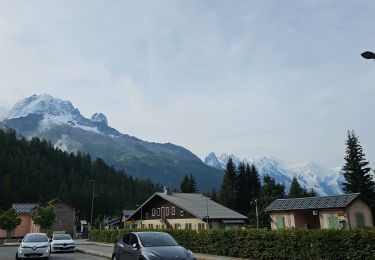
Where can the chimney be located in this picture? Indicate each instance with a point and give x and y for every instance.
(167, 191)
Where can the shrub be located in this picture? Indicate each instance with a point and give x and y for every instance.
(268, 244)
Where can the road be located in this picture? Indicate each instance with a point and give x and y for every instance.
(9, 253)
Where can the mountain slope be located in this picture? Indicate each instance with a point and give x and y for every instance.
(311, 175)
(61, 123)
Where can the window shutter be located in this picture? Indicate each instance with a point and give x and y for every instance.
(360, 219)
(280, 222)
(333, 223)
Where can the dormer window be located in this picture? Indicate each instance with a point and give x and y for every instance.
(173, 211)
(182, 213)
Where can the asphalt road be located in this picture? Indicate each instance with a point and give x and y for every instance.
(9, 253)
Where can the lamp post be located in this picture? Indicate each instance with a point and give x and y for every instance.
(255, 201)
(207, 212)
(92, 200)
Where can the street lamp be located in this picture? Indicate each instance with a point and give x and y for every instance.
(255, 201)
(92, 200)
(368, 55)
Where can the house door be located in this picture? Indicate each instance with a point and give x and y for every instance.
(162, 213)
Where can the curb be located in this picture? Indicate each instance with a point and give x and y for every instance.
(94, 253)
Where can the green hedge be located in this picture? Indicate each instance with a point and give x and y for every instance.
(268, 244)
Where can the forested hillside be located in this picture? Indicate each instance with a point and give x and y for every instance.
(35, 171)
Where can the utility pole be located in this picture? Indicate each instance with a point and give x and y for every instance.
(256, 212)
(141, 213)
(92, 201)
(207, 212)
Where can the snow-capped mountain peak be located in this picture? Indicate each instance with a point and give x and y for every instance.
(43, 104)
(99, 117)
(322, 179)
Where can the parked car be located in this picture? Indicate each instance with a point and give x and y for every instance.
(34, 245)
(150, 246)
(62, 243)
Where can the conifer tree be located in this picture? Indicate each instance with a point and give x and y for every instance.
(296, 191)
(192, 184)
(242, 190)
(184, 186)
(270, 192)
(356, 171)
(227, 194)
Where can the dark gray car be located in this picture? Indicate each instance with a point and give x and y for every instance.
(150, 246)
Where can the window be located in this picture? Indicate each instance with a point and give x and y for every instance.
(150, 226)
(167, 211)
(333, 223)
(146, 215)
(182, 213)
(187, 225)
(158, 211)
(157, 226)
(177, 226)
(173, 211)
(201, 226)
(153, 211)
(126, 239)
(280, 222)
(360, 219)
(133, 240)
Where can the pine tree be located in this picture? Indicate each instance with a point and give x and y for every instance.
(192, 184)
(269, 193)
(227, 194)
(242, 190)
(356, 173)
(296, 191)
(184, 186)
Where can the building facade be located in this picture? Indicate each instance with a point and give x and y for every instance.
(183, 211)
(346, 211)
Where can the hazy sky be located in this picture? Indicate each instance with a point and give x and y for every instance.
(252, 78)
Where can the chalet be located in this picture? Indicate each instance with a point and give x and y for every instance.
(183, 211)
(346, 211)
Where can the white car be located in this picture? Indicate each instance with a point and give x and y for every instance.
(62, 243)
(34, 245)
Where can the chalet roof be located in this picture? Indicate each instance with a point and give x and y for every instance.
(24, 207)
(198, 205)
(325, 202)
(128, 212)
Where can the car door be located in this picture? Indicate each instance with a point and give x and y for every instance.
(131, 253)
(121, 247)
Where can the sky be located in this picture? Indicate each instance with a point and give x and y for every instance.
(250, 78)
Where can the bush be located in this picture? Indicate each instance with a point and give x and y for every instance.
(268, 244)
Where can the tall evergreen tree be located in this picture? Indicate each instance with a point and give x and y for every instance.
(270, 192)
(254, 184)
(296, 191)
(192, 184)
(184, 186)
(227, 194)
(356, 171)
(242, 190)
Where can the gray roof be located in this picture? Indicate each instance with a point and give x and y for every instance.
(24, 207)
(128, 212)
(197, 205)
(337, 201)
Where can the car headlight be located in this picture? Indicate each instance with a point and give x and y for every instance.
(153, 256)
(190, 254)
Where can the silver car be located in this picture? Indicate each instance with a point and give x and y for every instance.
(34, 245)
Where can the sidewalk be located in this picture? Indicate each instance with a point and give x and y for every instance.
(105, 250)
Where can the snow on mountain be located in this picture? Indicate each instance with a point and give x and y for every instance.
(43, 104)
(54, 111)
(99, 117)
(324, 180)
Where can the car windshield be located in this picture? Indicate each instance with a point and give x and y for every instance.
(62, 237)
(35, 238)
(156, 239)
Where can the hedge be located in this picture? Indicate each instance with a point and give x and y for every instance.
(268, 244)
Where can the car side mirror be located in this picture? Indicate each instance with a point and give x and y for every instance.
(50, 240)
(19, 241)
(135, 246)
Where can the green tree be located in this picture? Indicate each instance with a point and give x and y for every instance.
(192, 184)
(9, 221)
(296, 191)
(270, 192)
(227, 194)
(188, 184)
(242, 190)
(255, 187)
(356, 171)
(44, 216)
